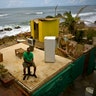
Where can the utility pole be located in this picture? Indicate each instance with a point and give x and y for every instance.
(56, 10)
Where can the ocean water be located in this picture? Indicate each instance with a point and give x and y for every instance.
(12, 17)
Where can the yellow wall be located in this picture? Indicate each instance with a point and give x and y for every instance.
(46, 28)
(32, 28)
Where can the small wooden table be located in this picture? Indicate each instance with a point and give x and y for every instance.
(19, 52)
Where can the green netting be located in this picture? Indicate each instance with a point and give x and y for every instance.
(91, 64)
(56, 85)
(77, 67)
(62, 80)
(95, 58)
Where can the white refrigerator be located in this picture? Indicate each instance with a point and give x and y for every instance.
(49, 48)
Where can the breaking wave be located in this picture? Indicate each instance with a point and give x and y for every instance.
(35, 13)
(14, 31)
(2, 15)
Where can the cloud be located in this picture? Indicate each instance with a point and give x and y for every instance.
(77, 1)
(13, 3)
(47, 1)
(32, 3)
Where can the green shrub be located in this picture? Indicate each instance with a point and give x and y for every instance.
(91, 33)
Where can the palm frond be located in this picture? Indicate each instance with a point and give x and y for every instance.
(81, 10)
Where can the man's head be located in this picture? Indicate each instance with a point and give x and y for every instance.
(28, 50)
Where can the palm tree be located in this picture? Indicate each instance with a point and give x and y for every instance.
(70, 22)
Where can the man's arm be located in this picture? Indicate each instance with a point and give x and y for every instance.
(29, 62)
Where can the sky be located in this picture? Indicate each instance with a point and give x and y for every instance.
(40, 3)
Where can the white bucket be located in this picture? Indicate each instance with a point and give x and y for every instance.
(89, 91)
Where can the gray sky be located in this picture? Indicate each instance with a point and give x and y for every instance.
(33, 3)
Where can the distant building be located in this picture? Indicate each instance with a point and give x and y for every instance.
(44, 27)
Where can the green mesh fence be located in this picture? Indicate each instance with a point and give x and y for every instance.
(95, 57)
(55, 85)
(91, 65)
(62, 80)
(77, 67)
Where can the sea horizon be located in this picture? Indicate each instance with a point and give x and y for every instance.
(11, 17)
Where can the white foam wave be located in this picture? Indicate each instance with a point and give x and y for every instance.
(35, 13)
(39, 12)
(14, 32)
(90, 21)
(89, 18)
(28, 13)
(2, 15)
(85, 14)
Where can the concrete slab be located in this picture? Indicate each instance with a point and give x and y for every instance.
(45, 71)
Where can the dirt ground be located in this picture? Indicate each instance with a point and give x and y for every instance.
(78, 88)
(8, 41)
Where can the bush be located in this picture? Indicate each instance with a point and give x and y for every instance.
(79, 35)
(91, 33)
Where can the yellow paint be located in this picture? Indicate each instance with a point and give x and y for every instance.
(44, 27)
(32, 28)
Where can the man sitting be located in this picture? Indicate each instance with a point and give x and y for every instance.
(28, 58)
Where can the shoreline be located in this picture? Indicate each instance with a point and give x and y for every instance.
(11, 40)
